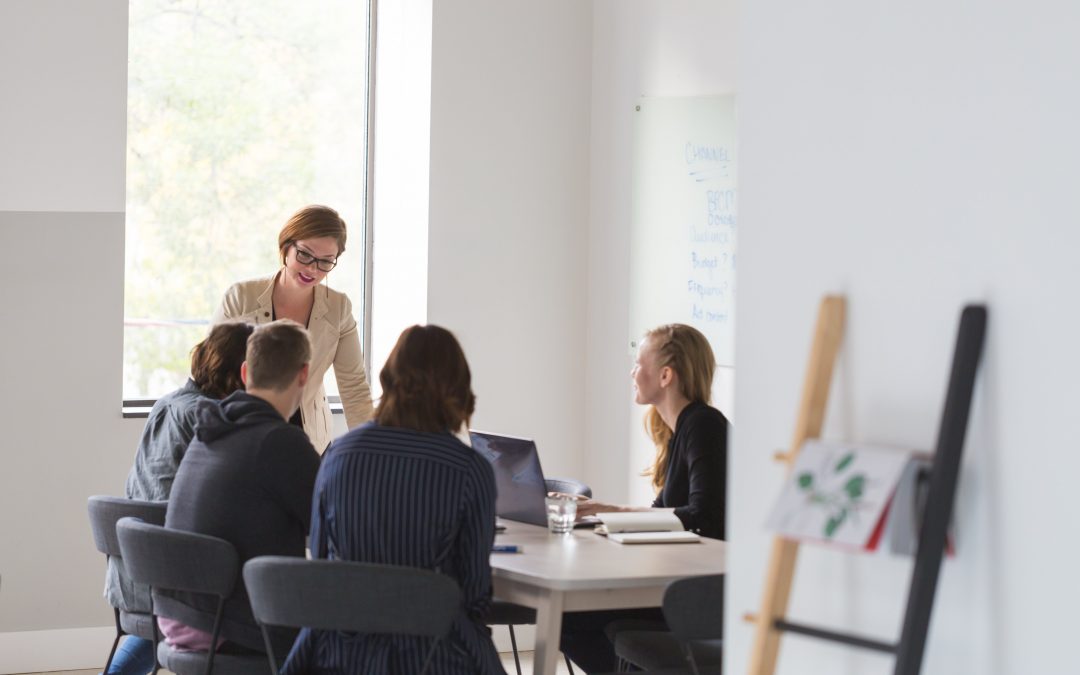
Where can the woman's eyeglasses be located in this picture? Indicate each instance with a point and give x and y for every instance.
(305, 258)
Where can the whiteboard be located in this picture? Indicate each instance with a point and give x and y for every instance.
(683, 225)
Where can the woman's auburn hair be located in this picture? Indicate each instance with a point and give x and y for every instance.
(426, 382)
(312, 222)
(215, 362)
(685, 350)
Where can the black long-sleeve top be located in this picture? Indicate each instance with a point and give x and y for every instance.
(696, 481)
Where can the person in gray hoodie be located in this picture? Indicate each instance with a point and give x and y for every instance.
(247, 477)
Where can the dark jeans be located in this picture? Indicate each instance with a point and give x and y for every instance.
(587, 644)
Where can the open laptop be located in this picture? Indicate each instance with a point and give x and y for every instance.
(519, 480)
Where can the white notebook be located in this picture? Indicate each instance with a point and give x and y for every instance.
(680, 537)
(644, 527)
(641, 521)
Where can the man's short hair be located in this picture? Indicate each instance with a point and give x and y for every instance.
(275, 354)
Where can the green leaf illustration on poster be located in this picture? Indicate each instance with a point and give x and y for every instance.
(837, 492)
(841, 501)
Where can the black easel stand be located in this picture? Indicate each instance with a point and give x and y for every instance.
(939, 504)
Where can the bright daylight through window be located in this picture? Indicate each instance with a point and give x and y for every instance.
(239, 113)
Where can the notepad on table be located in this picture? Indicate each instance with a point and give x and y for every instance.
(681, 537)
(644, 527)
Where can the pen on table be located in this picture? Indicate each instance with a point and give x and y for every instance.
(505, 548)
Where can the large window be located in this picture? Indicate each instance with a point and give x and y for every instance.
(239, 113)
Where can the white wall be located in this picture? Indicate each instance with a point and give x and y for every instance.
(63, 87)
(509, 209)
(640, 48)
(915, 156)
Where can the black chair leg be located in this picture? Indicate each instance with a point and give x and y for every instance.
(569, 666)
(513, 645)
(269, 648)
(116, 642)
(157, 639)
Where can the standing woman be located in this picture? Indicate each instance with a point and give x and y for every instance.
(673, 375)
(310, 244)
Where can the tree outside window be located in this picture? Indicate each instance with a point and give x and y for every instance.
(239, 113)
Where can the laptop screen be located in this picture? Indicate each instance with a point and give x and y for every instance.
(519, 480)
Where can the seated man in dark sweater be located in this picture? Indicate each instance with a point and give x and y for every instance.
(247, 477)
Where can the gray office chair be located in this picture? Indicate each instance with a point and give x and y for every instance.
(693, 610)
(568, 486)
(339, 595)
(166, 559)
(509, 614)
(104, 512)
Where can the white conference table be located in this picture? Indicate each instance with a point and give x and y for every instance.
(583, 571)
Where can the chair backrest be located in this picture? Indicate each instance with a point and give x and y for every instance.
(351, 596)
(176, 560)
(105, 511)
(694, 608)
(568, 486)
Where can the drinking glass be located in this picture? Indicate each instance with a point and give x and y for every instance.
(561, 511)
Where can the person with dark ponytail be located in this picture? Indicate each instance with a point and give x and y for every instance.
(673, 375)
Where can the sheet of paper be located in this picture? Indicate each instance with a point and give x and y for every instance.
(836, 492)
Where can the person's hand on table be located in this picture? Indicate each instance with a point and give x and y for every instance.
(591, 507)
(585, 506)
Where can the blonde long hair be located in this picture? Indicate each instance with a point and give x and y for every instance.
(686, 351)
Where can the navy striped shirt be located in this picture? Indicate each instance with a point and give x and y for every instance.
(401, 497)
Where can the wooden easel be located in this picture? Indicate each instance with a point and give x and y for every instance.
(770, 620)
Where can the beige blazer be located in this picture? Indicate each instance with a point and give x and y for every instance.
(334, 341)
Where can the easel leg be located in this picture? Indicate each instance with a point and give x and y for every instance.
(942, 492)
(781, 571)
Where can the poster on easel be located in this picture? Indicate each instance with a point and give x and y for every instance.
(839, 493)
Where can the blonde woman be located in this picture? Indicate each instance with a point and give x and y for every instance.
(309, 244)
(673, 375)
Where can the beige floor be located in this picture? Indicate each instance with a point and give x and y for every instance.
(507, 659)
(526, 664)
